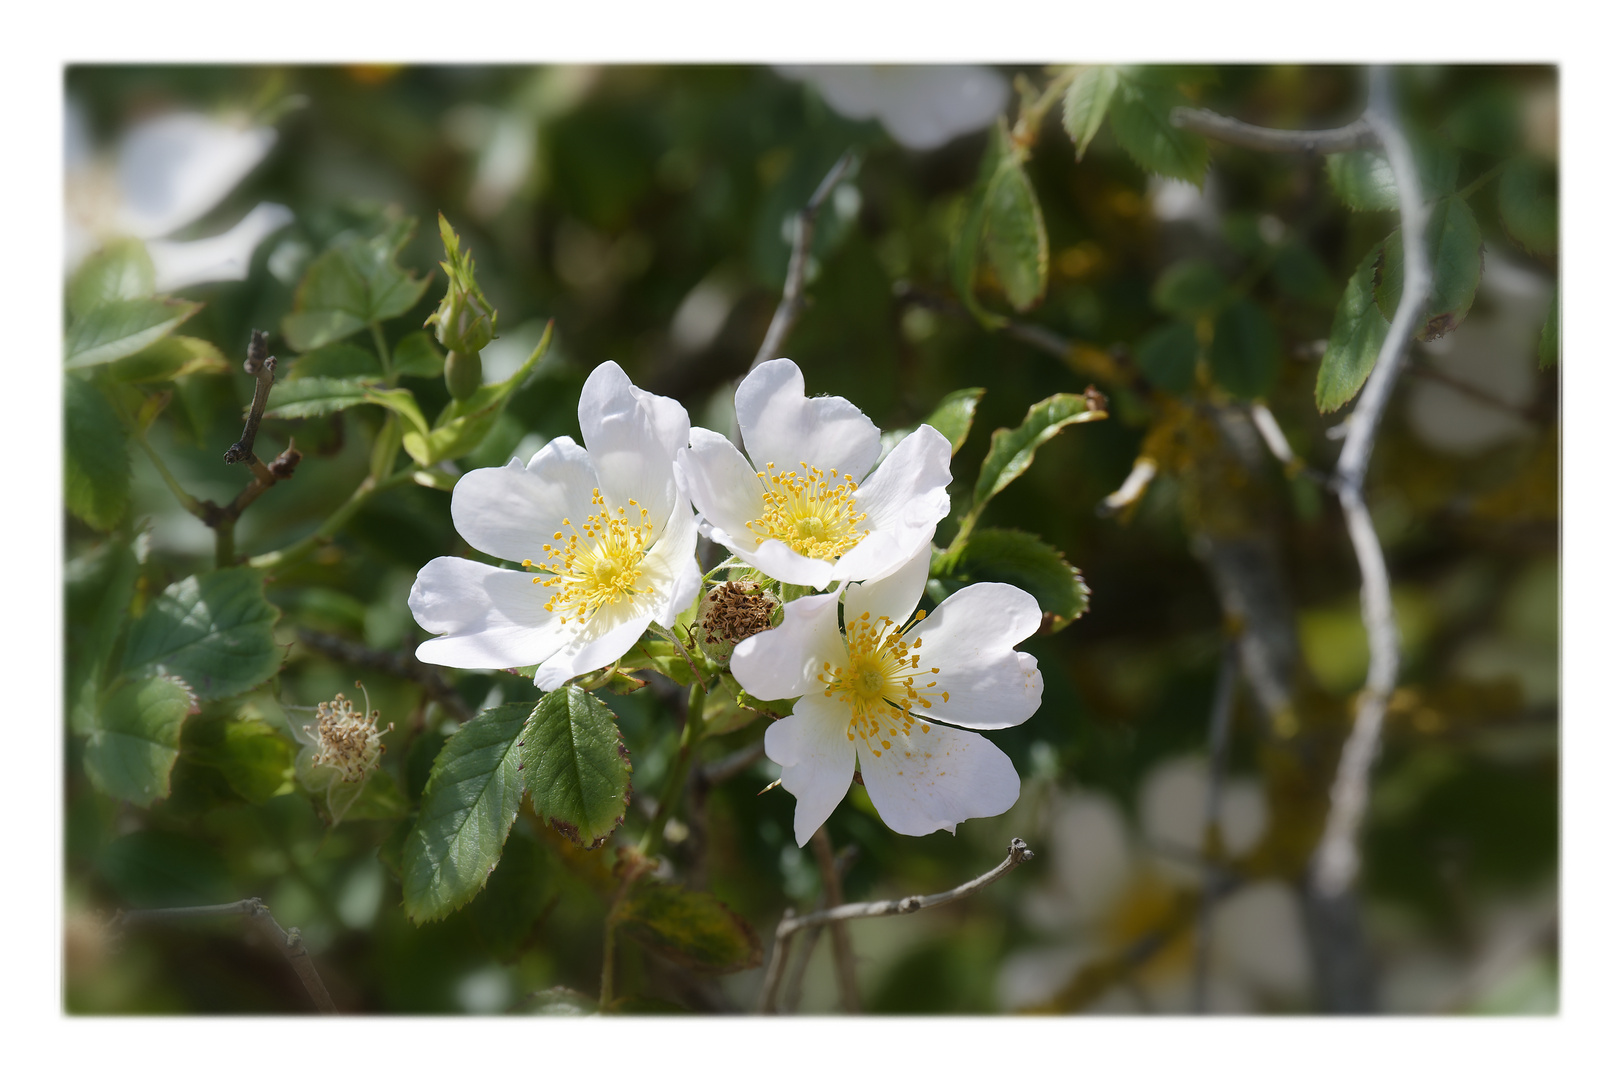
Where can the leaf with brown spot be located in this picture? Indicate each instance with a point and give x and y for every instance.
(693, 929)
(576, 767)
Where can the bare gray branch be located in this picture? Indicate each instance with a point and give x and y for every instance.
(1357, 135)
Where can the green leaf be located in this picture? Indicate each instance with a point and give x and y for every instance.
(316, 397)
(255, 759)
(213, 631)
(955, 414)
(170, 358)
(113, 588)
(401, 402)
(470, 803)
(1011, 451)
(463, 425)
(1300, 274)
(121, 328)
(968, 239)
(1141, 118)
(1527, 204)
(1454, 244)
(1087, 100)
(136, 738)
(95, 456)
(506, 910)
(1016, 240)
(1363, 178)
(1549, 338)
(339, 360)
(654, 653)
(1356, 334)
(352, 284)
(575, 766)
(1023, 560)
(416, 354)
(1245, 350)
(1167, 356)
(1189, 288)
(724, 708)
(690, 928)
(122, 270)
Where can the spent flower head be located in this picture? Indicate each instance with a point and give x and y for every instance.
(340, 749)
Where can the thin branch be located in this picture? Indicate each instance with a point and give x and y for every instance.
(724, 769)
(336, 520)
(262, 366)
(845, 964)
(1335, 862)
(791, 991)
(1358, 135)
(792, 924)
(1280, 447)
(289, 940)
(400, 664)
(794, 283)
(1217, 741)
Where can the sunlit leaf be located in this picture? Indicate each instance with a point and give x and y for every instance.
(136, 738)
(95, 456)
(1364, 180)
(1087, 100)
(1023, 560)
(1454, 245)
(575, 766)
(1141, 118)
(416, 354)
(316, 397)
(470, 803)
(170, 358)
(120, 328)
(352, 284)
(121, 270)
(1012, 450)
(1355, 339)
(463, 425)
(213, 631)
(955, 414)
(1016, 239)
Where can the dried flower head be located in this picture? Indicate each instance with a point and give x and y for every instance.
(347, 740)
(731, 612)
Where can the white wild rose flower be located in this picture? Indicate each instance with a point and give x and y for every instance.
(605, 537)
(167, 173)
(807, 511)
(922, 106)
(887, 694)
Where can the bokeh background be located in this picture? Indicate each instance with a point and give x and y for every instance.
(646, 210)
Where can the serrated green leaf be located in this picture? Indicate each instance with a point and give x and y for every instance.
(338, 360)
(352, 284)
(470, 803)
(954, 415)
(1167, 356)
(1363, 178)
(121, 270)
(1016, 239)
(1244, 353)
(1355, 340)
(108, 594)
(416, 354)
(1454, 245)
(136, 738)
(316, 397)
(401, 402)
(1022, 560)
(462, 425)
(575, 766)
(1012, 449)
(690, 928)
(95, 456)
(1188, 288)
(1141, 119)
(213, 631)
(654, 653)
(121, 328)
(169, 358)
(1549, 338)
(1527, 204)
(1087, 100)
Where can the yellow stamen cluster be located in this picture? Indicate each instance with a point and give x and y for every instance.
(811, 511)
(599, 563)
(345, 739)
(878, 681)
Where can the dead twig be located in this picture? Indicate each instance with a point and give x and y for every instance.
(1358, 135)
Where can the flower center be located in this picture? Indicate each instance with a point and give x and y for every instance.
(812, 511)
(877, 681)
(599, 563)
(346, 739)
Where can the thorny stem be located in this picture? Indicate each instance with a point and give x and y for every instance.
(794, 283)
(1358, 135)
(677, 777)
(1335, 863)
(792, 924)
(289, 940)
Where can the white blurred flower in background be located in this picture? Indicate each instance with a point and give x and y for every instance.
(165, 174)
(921, 106)
(1107, 889)
(1493, 353)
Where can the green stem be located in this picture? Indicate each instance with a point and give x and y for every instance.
(605, 993)
(382, 346)
(225, 543)
(336, 520)
(676, 779)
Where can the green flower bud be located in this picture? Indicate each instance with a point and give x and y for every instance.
(464, 373)
(464, 322)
